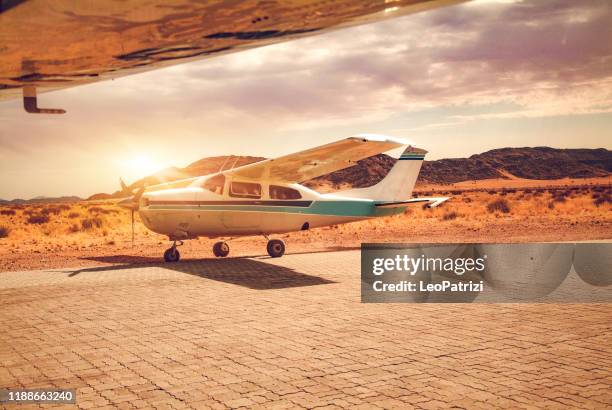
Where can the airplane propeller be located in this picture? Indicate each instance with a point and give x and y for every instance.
(132, 202)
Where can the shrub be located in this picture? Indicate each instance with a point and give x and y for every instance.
(38, 219)
(4, 231)
(95, 210)
(7, 212)
(559, 199)
(73, 215)
(449, 216)
(51, 210)
(500, 205)
(89, 223)
(602, 200)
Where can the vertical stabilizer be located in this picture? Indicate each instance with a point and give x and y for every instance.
(399, 182)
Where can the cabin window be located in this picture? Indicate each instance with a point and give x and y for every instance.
(282, 192)
(245, 190)
(215, 184)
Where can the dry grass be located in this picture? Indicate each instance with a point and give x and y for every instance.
(532, 209)
(58, 224)
(103, 229)
(103, 211)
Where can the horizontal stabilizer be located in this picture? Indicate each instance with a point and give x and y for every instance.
(433, 202)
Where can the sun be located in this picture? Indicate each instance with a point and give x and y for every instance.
(138, 166)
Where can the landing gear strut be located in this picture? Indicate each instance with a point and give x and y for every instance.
(221, 249)
(276, 248)
(172, 254)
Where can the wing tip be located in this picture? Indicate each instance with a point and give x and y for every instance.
(380, 138)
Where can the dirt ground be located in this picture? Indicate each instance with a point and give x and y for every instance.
(91, 234)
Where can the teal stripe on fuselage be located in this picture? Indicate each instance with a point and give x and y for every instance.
(334, 208)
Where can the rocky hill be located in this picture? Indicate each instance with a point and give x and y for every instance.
(529, 163)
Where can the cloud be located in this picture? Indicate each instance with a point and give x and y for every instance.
(548, 57)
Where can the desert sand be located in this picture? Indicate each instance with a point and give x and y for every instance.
(91, 233)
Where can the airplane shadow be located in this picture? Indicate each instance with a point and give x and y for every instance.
(241, 271)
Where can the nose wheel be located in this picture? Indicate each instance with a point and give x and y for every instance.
(221, 249)
(276, 248)
(172, 254)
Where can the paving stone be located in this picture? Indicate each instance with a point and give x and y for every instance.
(289, 333)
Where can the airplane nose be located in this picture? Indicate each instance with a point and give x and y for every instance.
(127, 203)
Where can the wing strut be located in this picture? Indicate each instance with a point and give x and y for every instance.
(30, 103)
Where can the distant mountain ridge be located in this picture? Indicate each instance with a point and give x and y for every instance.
(40, 200)
(529, 163)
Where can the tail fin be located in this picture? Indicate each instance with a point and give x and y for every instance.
(398, 184)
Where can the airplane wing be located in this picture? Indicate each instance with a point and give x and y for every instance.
(50, 45)
(314, 162)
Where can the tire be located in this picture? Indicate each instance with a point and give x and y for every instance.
(276, 248)
(221, 249)
(172, 255)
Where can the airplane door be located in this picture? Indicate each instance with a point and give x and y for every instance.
(244, 207)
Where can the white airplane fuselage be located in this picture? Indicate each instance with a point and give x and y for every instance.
(194, 211)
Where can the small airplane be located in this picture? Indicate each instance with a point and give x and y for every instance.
(266, 197)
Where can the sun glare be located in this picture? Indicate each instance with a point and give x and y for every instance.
(138, 166)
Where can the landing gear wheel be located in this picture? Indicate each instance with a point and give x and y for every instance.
(172, 255)
(276, 248)
(221, 249)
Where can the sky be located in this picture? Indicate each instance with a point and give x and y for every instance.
(456, 81)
